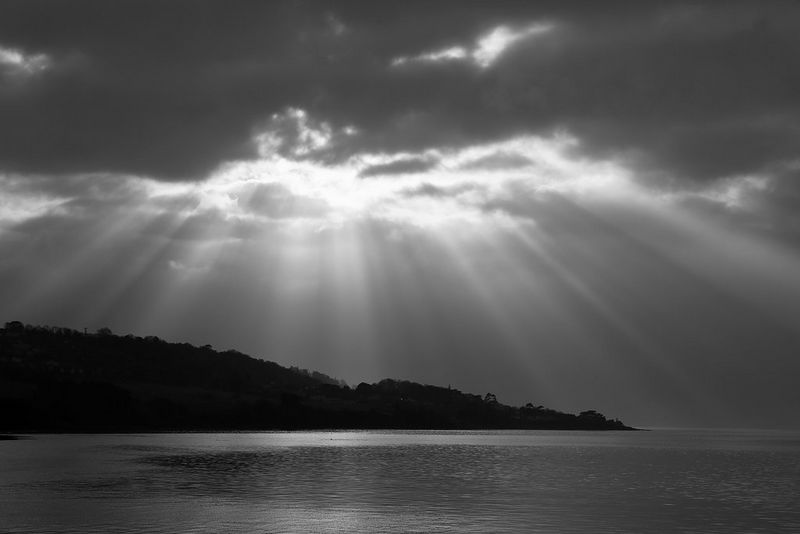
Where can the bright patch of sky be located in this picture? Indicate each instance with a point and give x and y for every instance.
(19, 206)
(286, 185)
(461, 185)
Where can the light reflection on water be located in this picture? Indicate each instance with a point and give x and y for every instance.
(661, 481)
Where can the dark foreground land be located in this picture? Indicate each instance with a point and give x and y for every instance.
(62, 380)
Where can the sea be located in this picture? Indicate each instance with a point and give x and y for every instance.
(662, 480)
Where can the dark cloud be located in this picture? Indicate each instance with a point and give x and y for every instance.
(399, 166)
(434, 191)
(645, 84)
(169, 91)
(98, 187)
(173, 90)
(501, 160)
(699, 89)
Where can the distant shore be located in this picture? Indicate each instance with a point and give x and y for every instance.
(57, 379)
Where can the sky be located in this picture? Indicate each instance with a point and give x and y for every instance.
(584, 205)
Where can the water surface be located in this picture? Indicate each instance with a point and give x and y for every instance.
(521, 481)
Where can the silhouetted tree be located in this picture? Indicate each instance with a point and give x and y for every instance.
(15, 326)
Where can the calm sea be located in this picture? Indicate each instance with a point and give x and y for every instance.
(530, 481)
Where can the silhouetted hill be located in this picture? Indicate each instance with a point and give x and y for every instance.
(59, 379)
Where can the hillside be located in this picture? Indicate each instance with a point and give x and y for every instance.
(63, 380)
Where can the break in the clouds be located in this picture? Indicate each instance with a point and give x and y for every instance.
(581, 203)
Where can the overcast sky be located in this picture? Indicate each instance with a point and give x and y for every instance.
(586, 205)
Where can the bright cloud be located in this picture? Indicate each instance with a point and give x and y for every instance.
(486, 51)
(20, 63)
(448, 54)
(288, 185)
(492, 46)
